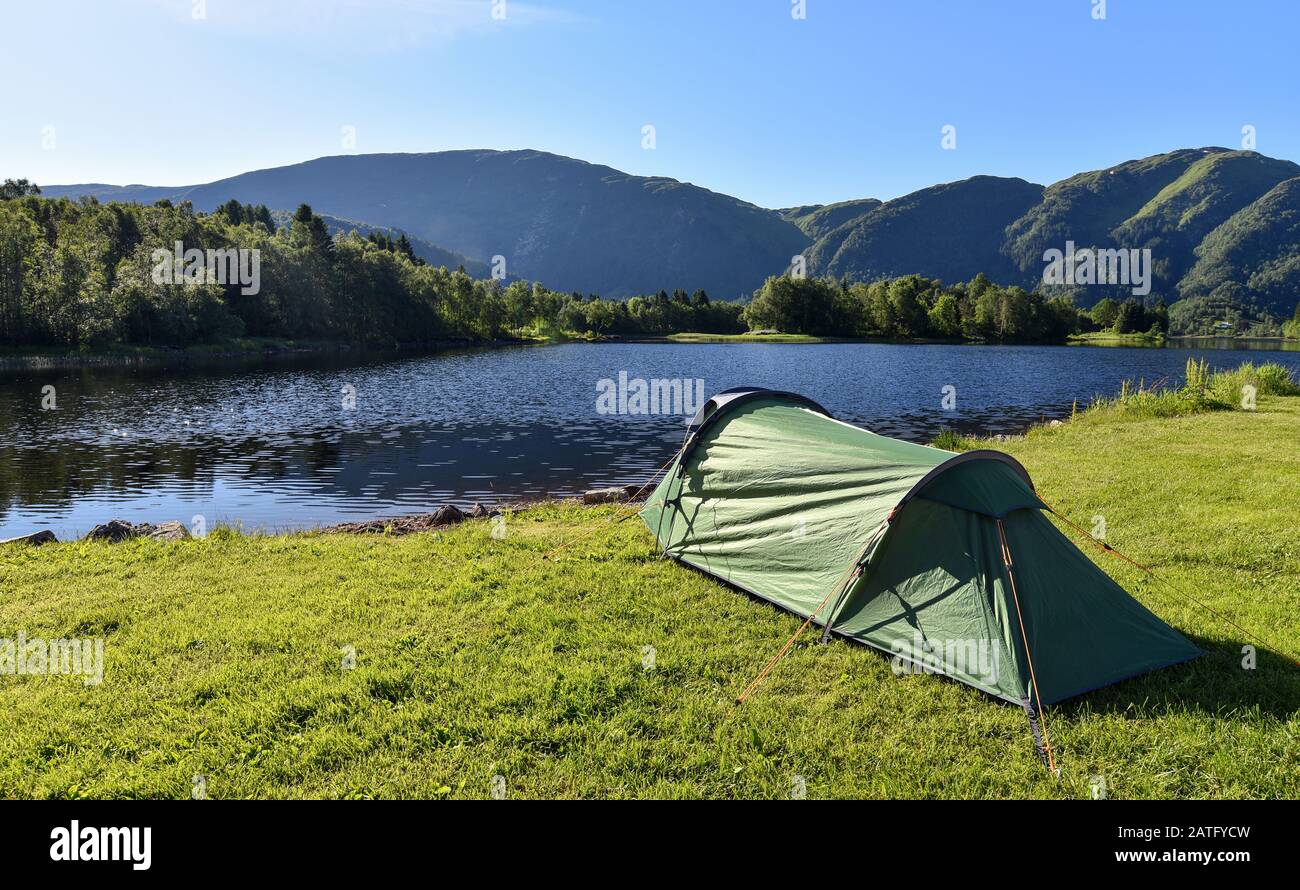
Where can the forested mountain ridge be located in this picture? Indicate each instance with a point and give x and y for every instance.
(574, 225)
(1219, 224)
(88, 275)
(1170, 204)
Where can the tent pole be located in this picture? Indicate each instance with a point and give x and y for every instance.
(1045, 744)
(830, 616)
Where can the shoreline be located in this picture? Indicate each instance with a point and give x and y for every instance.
(16, 359)
(51, 358)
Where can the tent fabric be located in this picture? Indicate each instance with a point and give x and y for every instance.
(776, 497)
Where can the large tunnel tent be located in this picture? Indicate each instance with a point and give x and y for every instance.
(944, 560)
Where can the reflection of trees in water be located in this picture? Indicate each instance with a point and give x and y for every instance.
(53, 477)
(197, 384)
(51, 458)
(411, 468)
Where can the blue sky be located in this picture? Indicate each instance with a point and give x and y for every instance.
(745, 99)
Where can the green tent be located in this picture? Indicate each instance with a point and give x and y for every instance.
(946, 561)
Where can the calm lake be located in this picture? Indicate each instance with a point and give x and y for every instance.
(270, 444)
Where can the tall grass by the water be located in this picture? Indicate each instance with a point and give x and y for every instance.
(1202, 390)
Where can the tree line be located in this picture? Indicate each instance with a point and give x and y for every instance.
(81, 273)
(914, 306)
(1291, 329)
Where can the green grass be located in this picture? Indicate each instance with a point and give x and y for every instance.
(1105, 338)
(1202, 390)
(478, 657)
(690, 337)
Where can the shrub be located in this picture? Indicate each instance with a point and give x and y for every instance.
(1275, 380)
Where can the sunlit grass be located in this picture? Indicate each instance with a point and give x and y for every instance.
(1202, 390)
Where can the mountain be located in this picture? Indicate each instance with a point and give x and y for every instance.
(815, 220)
(1088, 207)
(573, 225)
(1253, 258)
(1166, 203)
(1204, 197)
(952, 231)
(134, 194)
(1220, 224)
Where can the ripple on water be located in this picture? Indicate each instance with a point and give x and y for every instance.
(274, 447)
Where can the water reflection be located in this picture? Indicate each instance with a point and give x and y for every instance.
(1238, 343)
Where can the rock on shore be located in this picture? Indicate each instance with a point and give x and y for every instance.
(45, 536)
(610, 495)
(418, 522)
(117, 530)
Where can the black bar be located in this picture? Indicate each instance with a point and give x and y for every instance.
(301, 839)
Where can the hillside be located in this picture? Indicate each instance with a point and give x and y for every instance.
(1210, 191)
(951, 231)
(1167, 203)
(1220, 226)
(818, 219)
(1254, 257)
(1088, 207)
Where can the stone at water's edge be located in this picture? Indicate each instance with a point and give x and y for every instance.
(448, 515)
(113, 531)
(609, 495)
(116, 530)
(168, 531)
(36, 539)
(419, 522)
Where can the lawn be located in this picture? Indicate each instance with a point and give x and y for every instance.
(316, 665)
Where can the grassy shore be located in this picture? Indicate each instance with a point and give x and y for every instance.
(753, 337)
(1110, 338)
(1097, 338)
(477, 656)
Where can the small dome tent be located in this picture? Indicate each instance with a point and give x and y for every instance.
(945, 560)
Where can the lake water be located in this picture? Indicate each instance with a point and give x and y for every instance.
(270, 444)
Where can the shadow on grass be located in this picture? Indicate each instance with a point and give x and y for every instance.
(1215, 684)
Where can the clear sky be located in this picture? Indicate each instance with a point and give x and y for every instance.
(745, 99)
